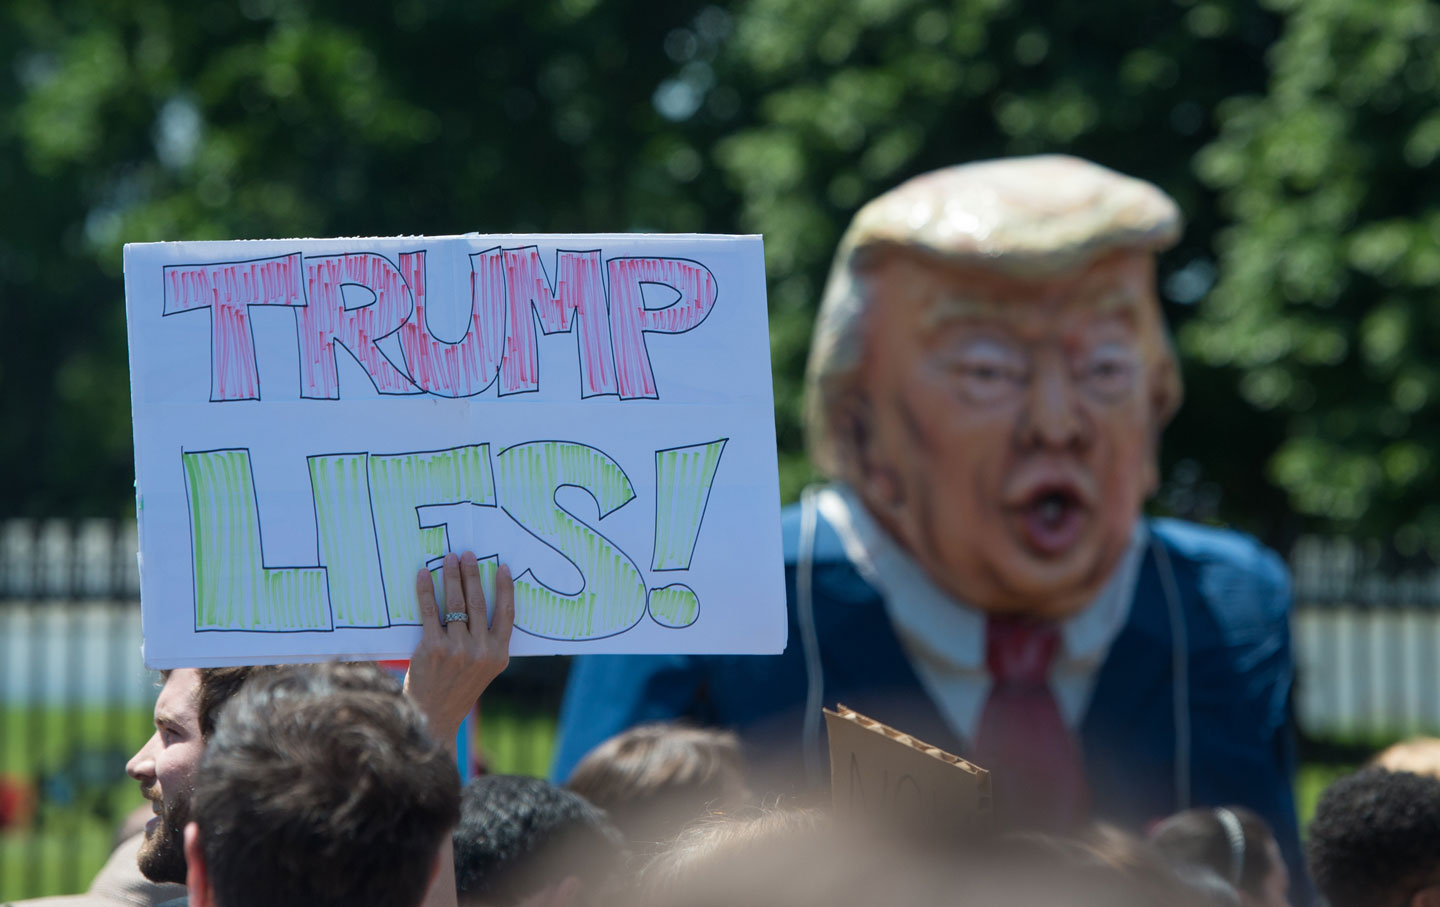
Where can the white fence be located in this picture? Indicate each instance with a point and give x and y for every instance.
(1367, 641)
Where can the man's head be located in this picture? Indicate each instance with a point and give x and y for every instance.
(185, 714)
(990, 372)
(1233, 842)
(1375, 840)
(319, 787)
(655, 779)
(525, 841)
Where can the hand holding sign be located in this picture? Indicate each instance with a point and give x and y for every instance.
(458, 659)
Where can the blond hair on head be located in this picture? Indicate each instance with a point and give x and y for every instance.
(1420, 755)
(1028, 218)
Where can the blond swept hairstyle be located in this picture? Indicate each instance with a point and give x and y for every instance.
(1026, 217)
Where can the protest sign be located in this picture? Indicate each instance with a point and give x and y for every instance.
(879, 775)
(315, 420)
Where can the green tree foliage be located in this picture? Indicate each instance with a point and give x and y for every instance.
(142, 120)
(1297, 137)
(848, 98)
(1328, 305)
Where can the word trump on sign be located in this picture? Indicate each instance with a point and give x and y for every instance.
(605, 298)
(288, 494)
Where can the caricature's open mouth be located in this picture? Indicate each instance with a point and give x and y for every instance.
(1052, 518)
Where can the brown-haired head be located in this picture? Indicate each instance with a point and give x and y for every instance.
(712, 845)
(1233, 842)
(1104, 854)
(656, 778)
(321, 787)
(796, 858)
(217, 685)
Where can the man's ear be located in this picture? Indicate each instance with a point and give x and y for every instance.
(1166, 393)
(865, 465)
(197, 878)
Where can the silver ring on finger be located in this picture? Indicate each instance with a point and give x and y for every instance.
(456, 615)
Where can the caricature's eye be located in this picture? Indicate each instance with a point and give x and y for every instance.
(1109, 371)
(990, 370)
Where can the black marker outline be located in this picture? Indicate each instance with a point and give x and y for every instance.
(374, 536)
(260, 534)
(424, 324)
(568, 315)
(644, 346)
(662, 623)
(335, 339)
(165, 311)
(602, 514)
(416, 508)
(700, 523)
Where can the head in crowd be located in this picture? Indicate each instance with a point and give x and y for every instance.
(990, 373)
(1105, 855)
(1375, 840)
(1232, 842)
(797, 858)
(1207, 888)
(524, 841)
(320, 787)
(654, 779)
(725, 840)
(185, 714)
(1420, 755)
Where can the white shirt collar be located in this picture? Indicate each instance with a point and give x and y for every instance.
(945, 638)
(955, 631)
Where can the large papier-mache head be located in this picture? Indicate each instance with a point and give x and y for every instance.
(1009, 252)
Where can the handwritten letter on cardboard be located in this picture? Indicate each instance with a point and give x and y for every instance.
(882, 776)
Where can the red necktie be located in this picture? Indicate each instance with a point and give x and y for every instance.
(1037, 770)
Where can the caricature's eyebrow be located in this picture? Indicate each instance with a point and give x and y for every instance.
(1123, 301)
(950, 308)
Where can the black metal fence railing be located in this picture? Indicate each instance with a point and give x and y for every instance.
(1367, 643)
(60, 559)
(75, 700)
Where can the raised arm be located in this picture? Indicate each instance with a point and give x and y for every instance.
(453, 664)
(457, 659)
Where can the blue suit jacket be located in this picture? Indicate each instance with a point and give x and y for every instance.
(1234, 596)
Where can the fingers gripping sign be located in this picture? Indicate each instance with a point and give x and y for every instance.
(456, 660)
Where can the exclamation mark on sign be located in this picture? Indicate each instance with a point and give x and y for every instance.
(683, 477)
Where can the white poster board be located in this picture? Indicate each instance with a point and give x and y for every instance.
(315, 420)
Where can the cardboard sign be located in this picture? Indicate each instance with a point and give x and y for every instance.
(879, 775)
(316, 420)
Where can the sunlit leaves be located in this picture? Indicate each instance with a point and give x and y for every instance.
(1329, 181)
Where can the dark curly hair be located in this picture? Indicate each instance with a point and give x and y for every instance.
(517, 835)
(1375, 839)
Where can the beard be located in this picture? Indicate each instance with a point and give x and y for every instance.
(162, 856)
